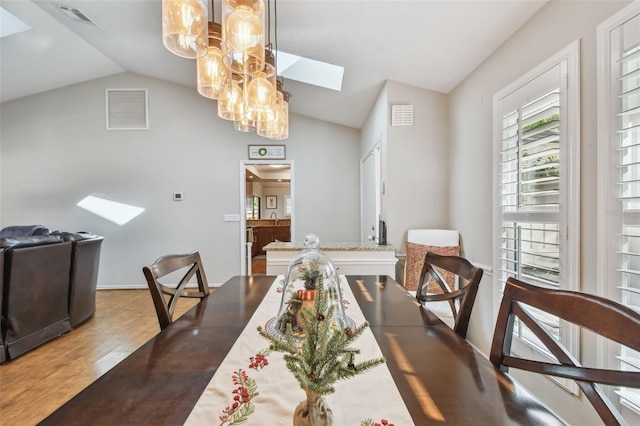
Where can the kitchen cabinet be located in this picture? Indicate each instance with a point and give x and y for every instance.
(255, 249)
(264, 235)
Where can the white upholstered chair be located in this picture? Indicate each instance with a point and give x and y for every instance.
(434, 237)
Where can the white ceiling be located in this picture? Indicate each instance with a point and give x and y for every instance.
(269, 173)
(425, 43)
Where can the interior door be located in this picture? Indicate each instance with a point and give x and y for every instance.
(370, 195)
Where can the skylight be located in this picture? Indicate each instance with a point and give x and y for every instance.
(10, 24)
(309, 71)
(112, 211)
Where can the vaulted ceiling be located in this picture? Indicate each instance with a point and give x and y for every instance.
(428, 44)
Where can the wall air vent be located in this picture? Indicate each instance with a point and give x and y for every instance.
(74, 14)
(127, 109)
(401, 115)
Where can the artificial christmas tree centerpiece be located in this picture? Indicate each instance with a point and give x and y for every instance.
(316, 341)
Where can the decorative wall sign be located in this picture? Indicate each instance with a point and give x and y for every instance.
(267, 152)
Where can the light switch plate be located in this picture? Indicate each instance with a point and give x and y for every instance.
(231, 217)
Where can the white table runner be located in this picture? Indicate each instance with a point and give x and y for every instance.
(371, 395)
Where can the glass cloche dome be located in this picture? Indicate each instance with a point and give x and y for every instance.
(305, 271)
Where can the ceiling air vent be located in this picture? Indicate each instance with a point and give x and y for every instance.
(74, 14)
(401, 115)
(127, 109)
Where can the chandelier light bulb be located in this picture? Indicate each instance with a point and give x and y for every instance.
(283, 130)
(244, 29)
(261, 98)
(244, 124)
(230, 105)
(243, 35)
(273, 128)
(212, 74)
(184, 27)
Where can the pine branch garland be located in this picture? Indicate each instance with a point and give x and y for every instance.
(324, 357)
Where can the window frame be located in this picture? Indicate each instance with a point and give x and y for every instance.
(608, 208)
(569, 211)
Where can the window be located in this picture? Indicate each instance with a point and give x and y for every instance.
(619, 180)
(536, 212)
(252, 207)
(287, 205)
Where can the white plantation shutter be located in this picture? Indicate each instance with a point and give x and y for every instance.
(619, 171)
(535, 134)
(530, 188)
(628, 138)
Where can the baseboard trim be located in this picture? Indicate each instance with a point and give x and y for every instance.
(143, 286)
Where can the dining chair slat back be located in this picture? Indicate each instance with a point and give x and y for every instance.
(165, 296)
(604, 317)
(460, 298)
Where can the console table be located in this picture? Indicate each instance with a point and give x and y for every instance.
(348, 258)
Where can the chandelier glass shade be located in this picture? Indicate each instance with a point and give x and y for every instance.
(233, 64)
(184, 27)
(230, 103)
(260, 99)
(280, 129)
(212, 74)
(243, 35)
(245, 125)
(269, 129)
(282, 132)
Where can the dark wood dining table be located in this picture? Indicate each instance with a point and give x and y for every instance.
(442, 379)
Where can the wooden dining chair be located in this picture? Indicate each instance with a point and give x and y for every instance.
(166, 296)
(450, 279)
(604, 317)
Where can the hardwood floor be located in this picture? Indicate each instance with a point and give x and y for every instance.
(259, 265)
(33, 385)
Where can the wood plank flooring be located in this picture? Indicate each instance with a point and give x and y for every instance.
(35, 384)
(259, 265)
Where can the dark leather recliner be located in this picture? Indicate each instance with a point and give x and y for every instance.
(35, 307)
(24, 231)
(85, 260)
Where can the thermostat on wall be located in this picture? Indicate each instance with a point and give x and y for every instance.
(177, 196)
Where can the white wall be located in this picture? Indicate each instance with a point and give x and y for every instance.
(327, 181)
(55, 151)
(416, 184)
(470, 107)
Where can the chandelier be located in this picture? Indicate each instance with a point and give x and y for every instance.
(235, 62)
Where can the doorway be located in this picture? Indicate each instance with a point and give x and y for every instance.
(267, 210)
(371, 194)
